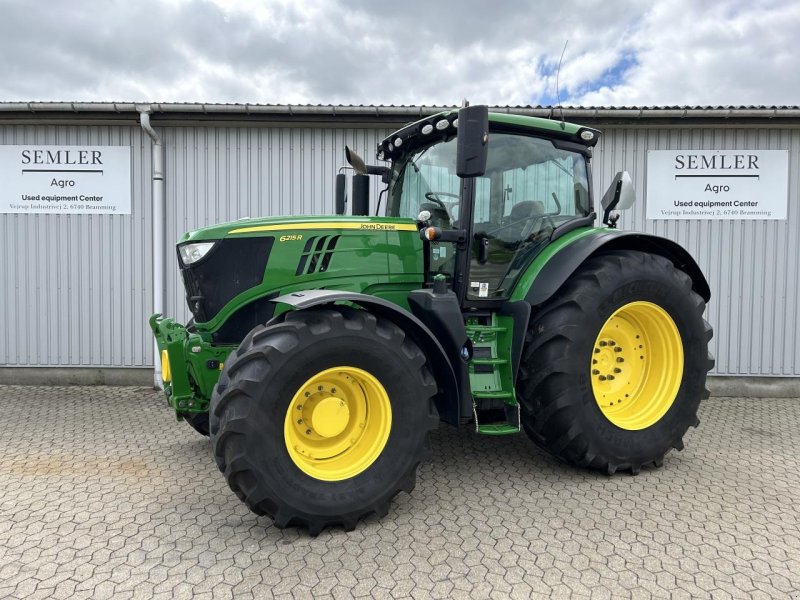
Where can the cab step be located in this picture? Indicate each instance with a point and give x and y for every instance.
(497, 429)
(498, 422)
(494, 402)
(489, 361)
(499, 395)
(485, 329)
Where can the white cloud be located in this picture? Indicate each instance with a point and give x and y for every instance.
(419, 52)
(710, 53)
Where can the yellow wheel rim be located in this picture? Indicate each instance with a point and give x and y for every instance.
(338, 423)
(637, 365)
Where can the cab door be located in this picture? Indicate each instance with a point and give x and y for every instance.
(529, 188)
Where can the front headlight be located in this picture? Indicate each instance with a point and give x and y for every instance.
(191, 253)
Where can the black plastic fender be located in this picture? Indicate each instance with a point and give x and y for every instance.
(441, 314)
(563, 264)
(447, 400)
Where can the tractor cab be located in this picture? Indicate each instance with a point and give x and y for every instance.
(488, 193)
(532, 185)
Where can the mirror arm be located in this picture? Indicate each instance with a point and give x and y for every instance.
(384, 172)
(611, 206)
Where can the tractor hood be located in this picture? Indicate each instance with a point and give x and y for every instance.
(293, 225)
(230, 271)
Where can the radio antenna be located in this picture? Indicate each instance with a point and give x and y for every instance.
(558, 92)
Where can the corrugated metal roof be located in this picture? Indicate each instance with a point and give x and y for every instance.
(391, 110)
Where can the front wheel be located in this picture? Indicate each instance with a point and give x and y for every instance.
(197, 421)
(323, 418)
(615, 363)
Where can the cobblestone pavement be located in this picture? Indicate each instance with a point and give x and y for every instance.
(104, 495)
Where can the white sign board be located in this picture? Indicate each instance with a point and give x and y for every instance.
(717, 184)
(65, 179)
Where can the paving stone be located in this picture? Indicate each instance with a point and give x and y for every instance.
(105, 495)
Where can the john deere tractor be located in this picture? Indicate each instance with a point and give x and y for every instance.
(324, 350)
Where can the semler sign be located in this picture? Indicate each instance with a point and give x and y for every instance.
(717, 184)
(65, 179)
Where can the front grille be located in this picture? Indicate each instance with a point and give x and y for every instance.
(243, 320)
(231, 267)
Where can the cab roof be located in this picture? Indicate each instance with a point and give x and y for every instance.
(444, 126)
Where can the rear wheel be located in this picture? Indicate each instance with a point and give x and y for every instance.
(323, 418)
(615, 363)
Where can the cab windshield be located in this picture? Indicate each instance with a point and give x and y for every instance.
(524, 175)
(530, 187)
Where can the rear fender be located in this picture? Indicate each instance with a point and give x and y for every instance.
(563, 264)
(447, 400)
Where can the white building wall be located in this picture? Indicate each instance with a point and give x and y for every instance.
(75, 290)
(752, 266)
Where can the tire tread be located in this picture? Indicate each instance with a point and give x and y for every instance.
(546, 397)
(234, 400)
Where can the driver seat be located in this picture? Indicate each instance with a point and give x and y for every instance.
(521, 214)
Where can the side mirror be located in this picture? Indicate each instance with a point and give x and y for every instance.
(619, 196)
(341, 193)
(472, 143)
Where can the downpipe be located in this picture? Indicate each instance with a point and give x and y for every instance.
(159, 245)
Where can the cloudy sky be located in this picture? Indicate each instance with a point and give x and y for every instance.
(410, 52)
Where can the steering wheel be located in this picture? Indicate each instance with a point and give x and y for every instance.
(434, 197)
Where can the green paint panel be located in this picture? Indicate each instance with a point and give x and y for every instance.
(287, 225)
(364, 260)
(526, 280)
(545, 125)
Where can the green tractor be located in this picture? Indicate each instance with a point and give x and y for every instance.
(324, 350)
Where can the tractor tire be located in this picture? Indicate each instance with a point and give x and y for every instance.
(294, 447)
(198, 422)
(615, 363)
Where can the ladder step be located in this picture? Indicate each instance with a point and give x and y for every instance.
(489, 361)
(501, 395)
(497, 429)
(485, 329)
